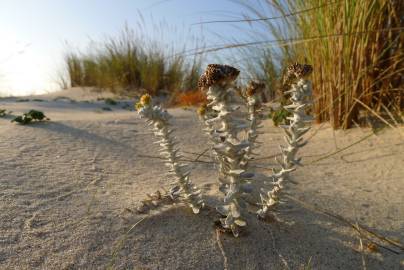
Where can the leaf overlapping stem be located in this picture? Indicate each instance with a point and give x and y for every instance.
(183, 187)
(300, 98)
(229, 150)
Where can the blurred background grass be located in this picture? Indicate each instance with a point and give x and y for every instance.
(355, 47)
(131, 64)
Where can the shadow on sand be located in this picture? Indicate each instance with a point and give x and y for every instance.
(177, 239)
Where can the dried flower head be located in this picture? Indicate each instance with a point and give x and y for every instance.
(253, 88)
(145, 99)
(298, 71)
(202, 82)
(217, 74)
(138, 106)
(202, 109)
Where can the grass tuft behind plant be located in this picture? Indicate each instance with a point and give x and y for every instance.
(356, 48)
(132, 63)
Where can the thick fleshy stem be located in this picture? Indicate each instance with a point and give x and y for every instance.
(254, 104)
(229, 150)
(224, 130)
(205, 113)
(159, 119)
(224, 123)
(300, 99)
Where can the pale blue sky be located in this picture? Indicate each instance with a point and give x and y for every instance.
(33, 32)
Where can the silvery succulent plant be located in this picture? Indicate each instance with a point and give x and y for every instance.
(300, 92)
(225, 123)
(254, 103)
(183, 187)
(224, 126)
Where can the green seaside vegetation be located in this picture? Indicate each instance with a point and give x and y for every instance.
(131, 63)
(355, 47)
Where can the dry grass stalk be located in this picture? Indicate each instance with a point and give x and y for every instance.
(356, 46)
(220, 244)
(363, 232)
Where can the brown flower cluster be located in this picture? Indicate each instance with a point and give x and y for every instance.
(216, 74)
(202, 109)
(254, 88)
(297, 71)
(145, 100)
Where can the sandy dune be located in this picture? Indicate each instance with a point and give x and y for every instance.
(68, 189)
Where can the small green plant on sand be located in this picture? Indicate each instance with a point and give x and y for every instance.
(233, 134)
(279, 116)
(110, 101)
(31, 116)
(2, 112)
(127, 107)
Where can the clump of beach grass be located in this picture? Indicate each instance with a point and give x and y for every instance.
(355, 46)
(131, 63)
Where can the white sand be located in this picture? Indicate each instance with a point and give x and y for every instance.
(68, 189)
